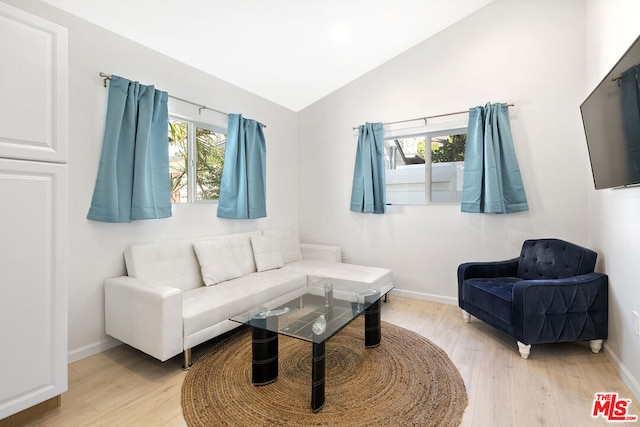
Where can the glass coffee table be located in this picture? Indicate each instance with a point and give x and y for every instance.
(314, 313)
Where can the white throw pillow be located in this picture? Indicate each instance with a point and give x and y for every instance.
(217, 262)
(289, 243)
(266, 252)
(243, 252)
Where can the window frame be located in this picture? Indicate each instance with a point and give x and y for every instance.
(192, 167)
(428, 134)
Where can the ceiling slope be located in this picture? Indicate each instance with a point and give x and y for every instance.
(291, 52)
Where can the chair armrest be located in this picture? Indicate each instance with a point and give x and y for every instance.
(145, 316)
(506, 268)
(570, 309)
(321, 252)
(469, 270)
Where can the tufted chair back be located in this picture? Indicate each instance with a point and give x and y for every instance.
(554, 259)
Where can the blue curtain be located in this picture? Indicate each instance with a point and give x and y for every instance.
(133, 180)
(492, 180)
(630, 101)
(368, 190)
(243, 183)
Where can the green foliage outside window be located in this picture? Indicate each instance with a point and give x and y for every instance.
(209, 159)
(421, 150)
(449, 150)
(178, 159)
(443, 150)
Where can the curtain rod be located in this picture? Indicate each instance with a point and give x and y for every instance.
(427, 117)
(200, 106)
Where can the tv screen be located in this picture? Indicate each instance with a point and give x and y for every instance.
(611, 118)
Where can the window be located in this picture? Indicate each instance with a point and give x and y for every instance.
(196, 156)
(428, 166)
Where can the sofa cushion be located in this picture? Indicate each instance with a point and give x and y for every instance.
(289, 243)
(337, 270)
(217, 261)
(242, 250)
(207, 306)
(482, 293)
(266, 252)
(172, 263)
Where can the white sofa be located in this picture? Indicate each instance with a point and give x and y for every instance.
(181, 293)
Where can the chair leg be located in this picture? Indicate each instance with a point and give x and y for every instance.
(596, 345)
(466, 316)
(524, 350)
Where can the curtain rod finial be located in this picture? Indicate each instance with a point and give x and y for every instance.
(106, 77)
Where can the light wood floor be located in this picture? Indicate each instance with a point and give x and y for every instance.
(555, 387)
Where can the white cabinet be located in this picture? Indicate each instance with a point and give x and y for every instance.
(33, 87)
(33, 210)
(33, 297)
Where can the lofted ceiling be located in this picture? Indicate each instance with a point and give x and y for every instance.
(291, 52)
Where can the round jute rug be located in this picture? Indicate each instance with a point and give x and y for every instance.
(406, 381)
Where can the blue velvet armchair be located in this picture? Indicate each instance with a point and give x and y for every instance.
(549, 294)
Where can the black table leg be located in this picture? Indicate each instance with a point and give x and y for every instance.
(372, 325)
(264, 346)
(317, 377)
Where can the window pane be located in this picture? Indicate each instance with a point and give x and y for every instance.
(178, 160)
(210, 147)
(447, 167)
(405, 174)
(409, 151)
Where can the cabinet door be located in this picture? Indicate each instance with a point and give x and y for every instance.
(33, 87)
(33, 297)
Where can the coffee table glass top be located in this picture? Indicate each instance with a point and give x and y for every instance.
(316, 312)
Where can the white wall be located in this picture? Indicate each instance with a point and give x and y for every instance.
(525, 52)
(614, 226)
(95, 249)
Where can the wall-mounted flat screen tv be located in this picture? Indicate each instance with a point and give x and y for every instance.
(611, 118)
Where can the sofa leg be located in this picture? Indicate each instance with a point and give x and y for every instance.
(187, 359)
(524, 350)
(466, 316)
(596, 345)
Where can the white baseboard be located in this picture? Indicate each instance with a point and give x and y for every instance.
(91, 349)
(624, 373)
(424, 296)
